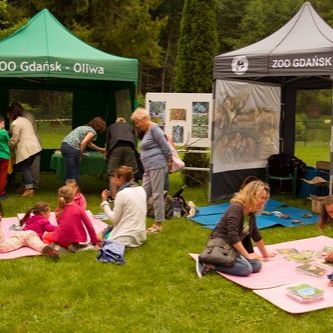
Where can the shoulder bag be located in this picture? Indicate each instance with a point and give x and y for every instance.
(177, 163)
(218, 252)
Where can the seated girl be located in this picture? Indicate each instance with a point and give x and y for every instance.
(128, 217)
(79, 198)
(72, 222)
(34, 227)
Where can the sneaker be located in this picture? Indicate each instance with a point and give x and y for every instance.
(59, 249)
(85, 247)
(72, 248)
(199, 267)
(50, 252)
(29, 192)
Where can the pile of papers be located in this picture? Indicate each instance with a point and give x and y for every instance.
(311, 269)
(304, 293)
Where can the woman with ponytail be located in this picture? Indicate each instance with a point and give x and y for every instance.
(33, 229)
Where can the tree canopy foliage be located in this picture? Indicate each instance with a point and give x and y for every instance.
(158, 32)
(197, 46)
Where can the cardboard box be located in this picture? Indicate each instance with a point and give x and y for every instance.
(316, 202)
(323, 165)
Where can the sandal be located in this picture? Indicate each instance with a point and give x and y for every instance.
(154, 229)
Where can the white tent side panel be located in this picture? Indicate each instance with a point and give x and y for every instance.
(246, 126)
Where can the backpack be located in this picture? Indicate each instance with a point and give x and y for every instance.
(283, 164)
(175, 206)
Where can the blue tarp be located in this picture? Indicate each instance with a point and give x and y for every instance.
(209, 216)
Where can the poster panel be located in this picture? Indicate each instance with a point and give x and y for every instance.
(200, 119)
(246, 125)
(186, 117)
(157, 112)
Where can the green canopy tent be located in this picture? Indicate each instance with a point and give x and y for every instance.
(44, 55)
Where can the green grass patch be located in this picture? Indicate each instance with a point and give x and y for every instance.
(157, 289)
(52, 134)
(312, 151)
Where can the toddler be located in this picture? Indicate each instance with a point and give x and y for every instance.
(79, 198)
(34, 227)
(4, 158)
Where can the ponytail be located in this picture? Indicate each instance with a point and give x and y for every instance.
(38, 209)
(25, 217)
(65, 196)
(61, 202)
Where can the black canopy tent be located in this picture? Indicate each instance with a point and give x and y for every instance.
(297, 56)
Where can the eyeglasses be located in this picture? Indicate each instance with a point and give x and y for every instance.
(137, 123)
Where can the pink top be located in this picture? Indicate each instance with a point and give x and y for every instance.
(71, 225)
(39, 225)
(80, 200)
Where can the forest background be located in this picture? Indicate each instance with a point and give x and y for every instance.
(176, 41)
(152, 31)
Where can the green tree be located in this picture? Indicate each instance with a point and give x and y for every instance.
(229, 16)
(197, 46)
(262, 18)
(172, 10)
(9, 19)
(121, 27)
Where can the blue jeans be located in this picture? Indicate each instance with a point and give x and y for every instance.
(71, 158)
(242, 267)
(25, 167)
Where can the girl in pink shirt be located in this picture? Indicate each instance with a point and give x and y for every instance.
(79, 198)
(72, 221)
(34, 227)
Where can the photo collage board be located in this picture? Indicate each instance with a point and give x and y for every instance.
(185, 117)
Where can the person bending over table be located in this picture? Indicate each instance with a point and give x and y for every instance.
(238, 222)
(120, 145)
(130, 208)
(74, 145)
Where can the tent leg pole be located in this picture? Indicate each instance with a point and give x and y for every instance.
(331, 140)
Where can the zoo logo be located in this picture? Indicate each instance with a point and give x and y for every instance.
(239, 65)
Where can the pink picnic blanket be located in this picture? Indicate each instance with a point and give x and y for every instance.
(278, 271)
(6, 223)
(279, 298)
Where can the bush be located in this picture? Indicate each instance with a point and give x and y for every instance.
(199, 160)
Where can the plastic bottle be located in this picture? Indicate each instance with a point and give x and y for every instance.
(176, 208)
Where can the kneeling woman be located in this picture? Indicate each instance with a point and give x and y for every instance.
(238, 224)
(130, 208)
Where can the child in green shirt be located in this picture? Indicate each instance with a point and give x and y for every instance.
(4, 158)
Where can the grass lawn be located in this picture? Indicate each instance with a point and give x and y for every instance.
(312, 151)
(157, 289)
(51, 135)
